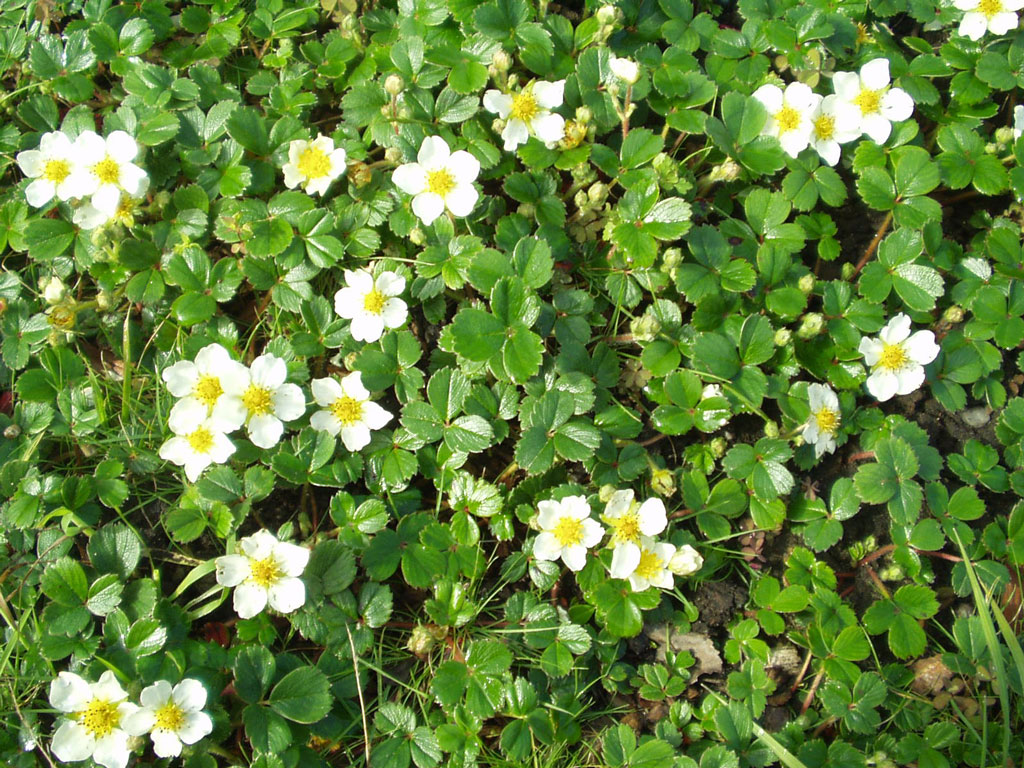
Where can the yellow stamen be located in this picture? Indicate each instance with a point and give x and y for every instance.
(989, 8)
(125, 212)
(313, 163)
(257, 400)
(347, 410)
(788, 119)
(107, 171)
(625, 528)
(170, 717)
(825, 127)
(201, 440)
(827, 421)
(569, 531)
(100, 717)
(440, 182)
(265, 572)
(868, 101)
(374, 302)
(650, 565)
(894, 357)
(524, 107)
(208, 390)
(56, 171)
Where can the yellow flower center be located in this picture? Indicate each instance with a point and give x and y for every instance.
(650, 565)
(100, 717)
(265, 572)
(170, 717)
(107, 171)
(524, 107)
(56, 171)
(208, 390)
(625, 528)
(201, 440)
(374, 302)
(989, 8)
(257, 400)
(125, 212)
(569, 531)
(347, 410)
(825, 127)
(862, 33)
(313, 163)
(827, 420)
(788, 119)
(868, 101)
(894, 357)
(440, 182)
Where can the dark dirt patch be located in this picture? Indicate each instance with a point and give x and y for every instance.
(718, 602)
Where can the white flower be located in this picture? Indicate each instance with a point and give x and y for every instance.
(267, 572)
(204, 382)
(93, 727)
(823, 423)
(52, 166)
(371, 305)
(261, 399)
(645, 566)
(685, 561)
(627, 70)
(106, 168)
(88, 217)
(789, 114)
(1018, 121)
(879, 105)
(995, 16)
(439, 179)
(528, 113)
(347, 410)
(897, 359)
(171, 716)
(314, 164)
(629, 522)
(567, 531)
(198, 441)
(833, 122)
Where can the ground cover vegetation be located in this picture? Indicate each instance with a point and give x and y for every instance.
(491, 383)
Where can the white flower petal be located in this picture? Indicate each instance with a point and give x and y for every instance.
(461, 200)
(69, 692)
(165, 743)
(770, 97)
(896, 330)
(326, 391)
(31, 162)
(156, 695)
(619, 504)
(325, 421)
(909, 379)
(140, 722)
(107, 687)
(291, 558)
(352, 385)
(355, 437)
(1002, 23)
(259, 545)
(875, 74)
(652, 517)
(411, 178)
(574, 557)
(794, 142)
(464, 167)
(883, 385)
(367, 327)
(121, 147)
(289, 402)
(287, 595)
(265, 430)
(394, 312)
(249, 600)
(514, 134)
(625, 559)
(40, 192)
(72, 743)
(876, 127)
(548, 127)
(593, 532)
(176, 450)
(498, 102)
(375, 417)
(872, 350)
(231, 571)
(392, 283)
(180, 378)
(434, 153)
(897, 105)
(348, 302)
(548, 514)
(799, 96)
(268, 371)
(546, 546)
(427, 206)
(196, 726)
(846, 85)
(106, 198)
(549, 95)
(921, 347)
(111, 751)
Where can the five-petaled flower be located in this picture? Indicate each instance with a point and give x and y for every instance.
(204, 381)
(198, 442)
(528, 113)
(52, 167)
(833, 122)
(265, 573)
(880, 105)
(313, 164)
(647, 566)
(93, 722)
(439, 179)
(897, 358)
(105, 169)
(371, 304)
(822, 425)
(567, 531)
(995, 16)
(347, 410)
(171, 716)
(261, 399)
(628, 522)
(789, 114)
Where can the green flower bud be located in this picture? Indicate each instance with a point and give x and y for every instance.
(393, 155)
(581, 200)
(953, 314)
(584, 115)
(13, 432)
(806, 284)
(645, 327)
(663, 482)
(847, 271)
(529, 210)
(718, 447)
(394, 84)
(771, 429)
(1004, 135)
(782, 337)
(672, 257)
(727, 171)
(417, 236)
(103, 301)
(501, 61)
(421, 641)
(810, 326)
(598, 193)
(607, 14)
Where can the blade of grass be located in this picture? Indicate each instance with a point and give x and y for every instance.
(784, 756)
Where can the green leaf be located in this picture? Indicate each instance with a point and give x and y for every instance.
(302, 696)
(254, 668)
(65, 583)
(477, 334)
(115, 548)
(48, 238)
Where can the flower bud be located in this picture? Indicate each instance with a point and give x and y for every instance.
(718, 446)
(13, 432)
(685, 561)
(1004, 135)
(497, 125)
(54, 290)
(575, 133)
(607, 14)
(584, 115)
(627, 70)
(672, 257)
(806, 284)
(953, 314)
(810, 326)
(103, 300)
(771, 429)
(417, 236)
(421, 640)
(394, 84)
(991, 148)
(782, 337)
(727, 171)
(892, 572)
(663, 482)
(393, 155)
(644, 328)
(501, 61)
(598, 193)
(529, 210)
(581, 200)
(359, 174)
(847, 271)
(606, 492)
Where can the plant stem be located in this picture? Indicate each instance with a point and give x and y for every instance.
(873, 245)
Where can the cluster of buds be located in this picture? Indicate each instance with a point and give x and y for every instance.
(589, 218)
(501, 63)
(670, 261)
(608, 18)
